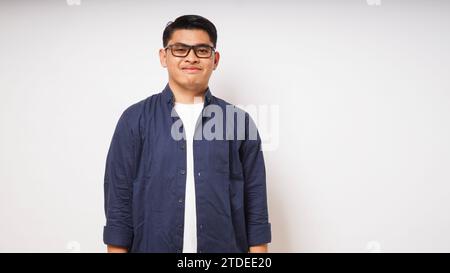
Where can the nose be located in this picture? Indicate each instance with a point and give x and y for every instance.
(191, 57)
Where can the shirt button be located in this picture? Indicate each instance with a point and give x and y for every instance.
(182, 147)
(199, 173)
(180, 200)
(201, 226)
(200, 251)
(182, 171)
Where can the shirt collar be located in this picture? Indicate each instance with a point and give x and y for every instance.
(169, 97)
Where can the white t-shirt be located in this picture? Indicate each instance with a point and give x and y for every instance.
(189, 114)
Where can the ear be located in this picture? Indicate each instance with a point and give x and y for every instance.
(163, 57)
(216, 59)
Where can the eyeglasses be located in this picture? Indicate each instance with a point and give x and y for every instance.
(182, 50)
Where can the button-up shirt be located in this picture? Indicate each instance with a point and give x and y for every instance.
(145, 179)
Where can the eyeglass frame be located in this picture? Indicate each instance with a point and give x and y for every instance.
(190, 48)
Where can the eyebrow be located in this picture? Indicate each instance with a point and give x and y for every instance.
(201, 44)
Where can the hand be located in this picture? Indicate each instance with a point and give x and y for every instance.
(117, 249)
(259, 249)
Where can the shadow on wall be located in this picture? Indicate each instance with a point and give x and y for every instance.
(278, 214)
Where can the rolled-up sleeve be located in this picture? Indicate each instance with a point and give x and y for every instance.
(120, 171)
(255, 193)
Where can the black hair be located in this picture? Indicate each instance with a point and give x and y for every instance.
(190, 22)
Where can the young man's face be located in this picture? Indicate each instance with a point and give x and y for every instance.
(190, 72)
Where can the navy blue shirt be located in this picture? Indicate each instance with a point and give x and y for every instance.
(145, 182)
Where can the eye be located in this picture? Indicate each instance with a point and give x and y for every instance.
(180, 49)
(202, 50)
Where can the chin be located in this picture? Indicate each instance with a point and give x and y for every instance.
(191, 83)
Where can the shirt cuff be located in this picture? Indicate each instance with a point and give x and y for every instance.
(117, 236)
(259, 234)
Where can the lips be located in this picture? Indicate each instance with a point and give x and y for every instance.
(191, 69)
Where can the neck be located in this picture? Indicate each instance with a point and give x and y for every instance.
(186, 95)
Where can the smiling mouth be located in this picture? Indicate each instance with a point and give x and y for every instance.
(191, 70)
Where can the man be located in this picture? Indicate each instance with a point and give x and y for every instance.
(170, 186)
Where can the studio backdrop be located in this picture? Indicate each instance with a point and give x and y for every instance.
(352, 99)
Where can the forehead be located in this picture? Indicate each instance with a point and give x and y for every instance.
(190, 37)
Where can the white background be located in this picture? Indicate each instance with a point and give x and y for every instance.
(363, 157)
